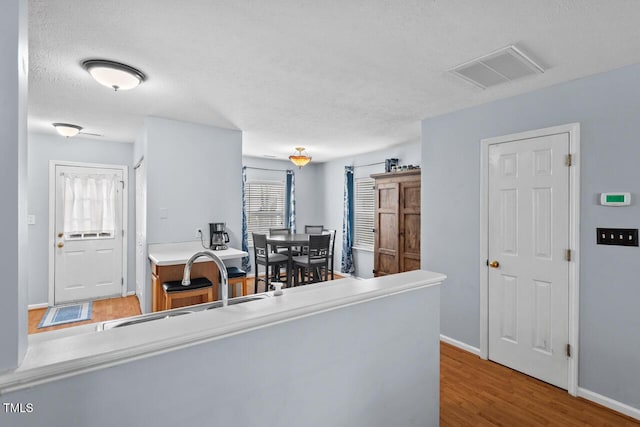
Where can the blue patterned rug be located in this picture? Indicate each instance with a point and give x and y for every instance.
(66, 314)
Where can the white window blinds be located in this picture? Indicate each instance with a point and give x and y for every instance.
(364, 213)
(264, 206)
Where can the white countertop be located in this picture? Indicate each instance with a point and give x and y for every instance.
(63, 356)
(179, 253)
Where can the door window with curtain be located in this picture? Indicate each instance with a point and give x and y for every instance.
(89, 206)
(265, 206)
(364, 213)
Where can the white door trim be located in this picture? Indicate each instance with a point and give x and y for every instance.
(52, 224)
(573, 129)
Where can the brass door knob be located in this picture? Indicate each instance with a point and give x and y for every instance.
(494, 264)
(61, 245)
(60, 234)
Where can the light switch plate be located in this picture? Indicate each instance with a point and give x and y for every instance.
(31, 220)
(164, 213)
(617, 236)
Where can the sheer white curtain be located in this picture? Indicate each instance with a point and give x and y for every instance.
(89, 203)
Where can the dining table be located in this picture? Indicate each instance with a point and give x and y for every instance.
(289, 241)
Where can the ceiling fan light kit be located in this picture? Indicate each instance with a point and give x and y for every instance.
(114, 75)
(66, 129)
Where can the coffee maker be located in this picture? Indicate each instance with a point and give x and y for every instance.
(218, 236)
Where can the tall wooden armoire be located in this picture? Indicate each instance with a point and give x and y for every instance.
(397, 222)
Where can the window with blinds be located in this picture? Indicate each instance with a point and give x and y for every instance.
(364, 212)
(264, 206)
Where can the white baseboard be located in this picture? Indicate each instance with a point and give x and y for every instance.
(34, 306)
(130, 293)
(609, 403)
(460, 345)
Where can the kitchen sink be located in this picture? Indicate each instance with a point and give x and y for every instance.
(141, 319)
(176, 312)
(239, 300)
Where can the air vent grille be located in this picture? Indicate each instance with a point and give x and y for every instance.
(501, 66)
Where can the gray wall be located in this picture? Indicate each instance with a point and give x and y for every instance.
(43, 148)
(332, 174)
(607, 107)
(336, 368)
(14, 62)
(195, 172)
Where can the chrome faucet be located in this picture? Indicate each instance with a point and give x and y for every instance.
(224, 279)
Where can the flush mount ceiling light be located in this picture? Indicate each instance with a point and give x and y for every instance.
(300, 158)
(66, 129)
(114, 74)
(501, 66)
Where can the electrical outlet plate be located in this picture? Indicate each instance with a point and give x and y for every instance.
(198, 232)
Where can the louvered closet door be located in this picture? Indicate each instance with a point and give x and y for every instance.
(386, 259)
(528, 237)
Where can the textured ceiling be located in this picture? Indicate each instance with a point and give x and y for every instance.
(338, 77)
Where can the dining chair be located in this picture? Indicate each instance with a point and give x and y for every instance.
(332, 246)
(263, 256)
(313, 229)
(315, 264)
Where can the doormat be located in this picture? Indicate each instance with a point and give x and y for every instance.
(66, 314)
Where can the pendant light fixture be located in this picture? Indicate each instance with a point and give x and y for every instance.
(300, 158)
(67, 130)
(114, 74)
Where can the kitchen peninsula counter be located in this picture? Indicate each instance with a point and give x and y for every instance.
(347, 344)
(168, 261)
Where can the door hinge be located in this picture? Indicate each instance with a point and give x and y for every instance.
(568, 161)
(568, 350)
(122, 182)
(567, 255)
(122, 280)
(122, 233)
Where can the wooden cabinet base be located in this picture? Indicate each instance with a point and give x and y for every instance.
(168, 273)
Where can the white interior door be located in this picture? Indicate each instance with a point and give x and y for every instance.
(528, 236)
(141, 227)
(88, 252)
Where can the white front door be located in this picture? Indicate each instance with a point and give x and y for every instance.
(528, 235)
(88, 233)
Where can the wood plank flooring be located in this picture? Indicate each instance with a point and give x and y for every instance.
(103, 310)
(476, 392)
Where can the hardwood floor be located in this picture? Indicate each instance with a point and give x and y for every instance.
(476, 392)
(105, 309)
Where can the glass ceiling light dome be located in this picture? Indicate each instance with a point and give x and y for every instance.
(114, 74)
(66, 129)
(300, 158)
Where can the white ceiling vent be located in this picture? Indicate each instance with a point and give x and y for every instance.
(501, 66)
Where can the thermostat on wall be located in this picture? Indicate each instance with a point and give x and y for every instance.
(615, 199)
